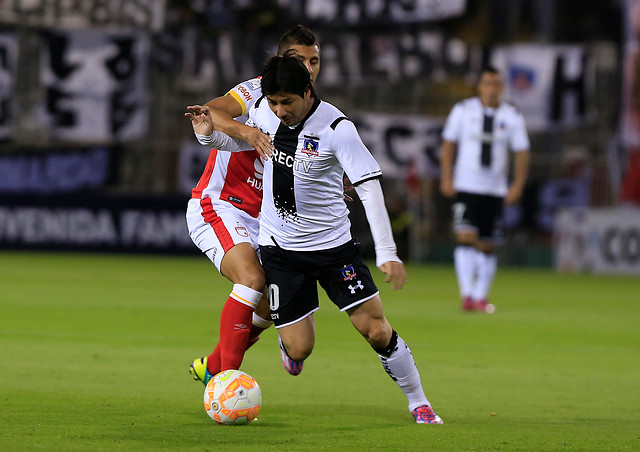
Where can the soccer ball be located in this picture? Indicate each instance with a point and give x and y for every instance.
(232, 397)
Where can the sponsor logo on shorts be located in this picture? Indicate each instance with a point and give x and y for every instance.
(357, 286)
(275, 316)
(348, 272)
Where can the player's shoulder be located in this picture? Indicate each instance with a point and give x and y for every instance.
(330, 115)
(467, 105)
(249, 89)
(509, 106)
(253, 84)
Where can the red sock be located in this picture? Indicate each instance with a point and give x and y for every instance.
(214, 364)
(235, 327)
(254, 335)
(213, 361)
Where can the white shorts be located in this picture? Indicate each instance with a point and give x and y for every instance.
(216, 228)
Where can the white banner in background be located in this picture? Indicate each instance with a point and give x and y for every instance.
(549, 84)
(147, 14)
(380, 11)
(8, 53)
(597, 240)
(95, 84)
(397, 141)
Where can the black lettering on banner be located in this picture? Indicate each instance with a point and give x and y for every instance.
(562, 87)
(61, 117)
(58, 45)
(631, 249)
(123, 64)
(621, 246)
(608, 239)
(121, 111)
(487, 141)
(393, 131)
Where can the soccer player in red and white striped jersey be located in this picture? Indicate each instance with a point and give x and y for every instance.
(222, 215)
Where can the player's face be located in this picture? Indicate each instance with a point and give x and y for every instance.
(310, 57)
(490, 89)
(290, 108)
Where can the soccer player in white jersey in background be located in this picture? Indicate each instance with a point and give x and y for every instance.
(305, 233)
(222, 215)
(482, 130)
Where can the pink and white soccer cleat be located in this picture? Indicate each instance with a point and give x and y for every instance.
(424, 415)
(291, 366)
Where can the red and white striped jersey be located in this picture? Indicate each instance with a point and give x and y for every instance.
(236, 177)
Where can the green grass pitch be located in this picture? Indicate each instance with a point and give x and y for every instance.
(95, 348)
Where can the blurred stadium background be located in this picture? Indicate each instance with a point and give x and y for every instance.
(96, 154)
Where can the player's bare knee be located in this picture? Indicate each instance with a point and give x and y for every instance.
(252, 277)
(378, 333)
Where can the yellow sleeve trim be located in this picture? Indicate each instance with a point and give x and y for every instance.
(238, 99)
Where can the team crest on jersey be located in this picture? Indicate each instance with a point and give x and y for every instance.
(348, 272)
(310, 147)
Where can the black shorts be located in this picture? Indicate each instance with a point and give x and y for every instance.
(292, 278)
(482, 213)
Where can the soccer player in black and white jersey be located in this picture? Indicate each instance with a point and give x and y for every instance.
(481, 131)
(305, 233)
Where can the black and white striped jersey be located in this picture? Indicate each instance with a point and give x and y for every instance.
(484, 136)
(303, 207)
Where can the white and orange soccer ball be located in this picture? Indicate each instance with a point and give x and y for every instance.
(232, 397)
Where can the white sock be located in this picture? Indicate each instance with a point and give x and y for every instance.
(260, 322)
(487, 266)
(465, 263)
(401, 367)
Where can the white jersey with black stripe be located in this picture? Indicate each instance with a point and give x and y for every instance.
(466, 126)
(303, 206)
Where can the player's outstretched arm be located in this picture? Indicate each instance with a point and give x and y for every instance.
(223, 109)
(202, 124)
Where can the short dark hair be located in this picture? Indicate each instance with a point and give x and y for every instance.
(490, 69)
(285, 74)
(298, 35)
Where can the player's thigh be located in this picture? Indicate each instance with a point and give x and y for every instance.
(465, 208)
(217, 228)
(489, 220)
(240, 264)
